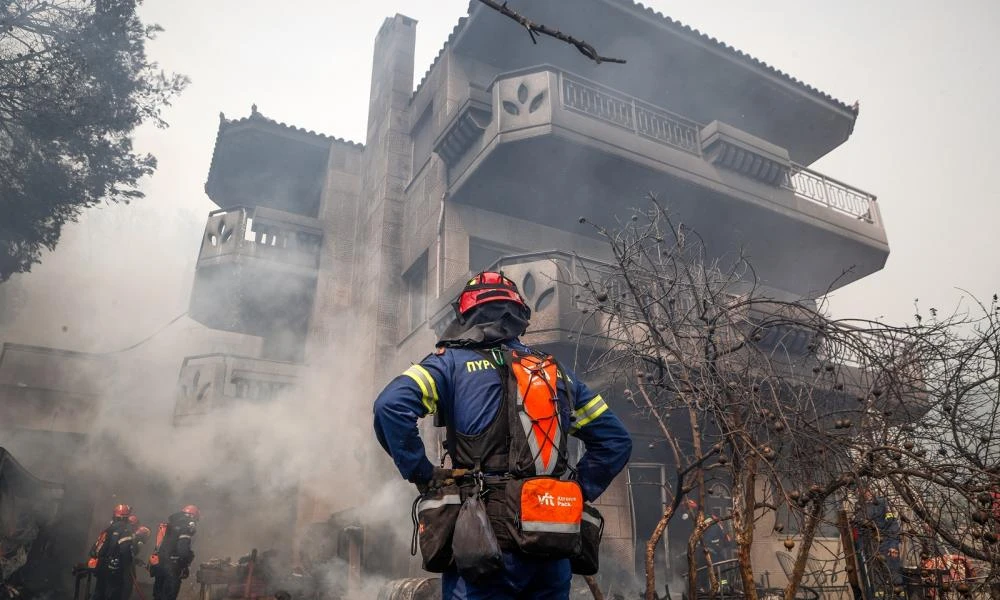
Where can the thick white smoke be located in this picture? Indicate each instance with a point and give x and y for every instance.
(261, 472)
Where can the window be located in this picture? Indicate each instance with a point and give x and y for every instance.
(483, 253)
(422, 135)
(415, 284)
(647, 499)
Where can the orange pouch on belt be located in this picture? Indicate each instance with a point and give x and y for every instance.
(549, 512)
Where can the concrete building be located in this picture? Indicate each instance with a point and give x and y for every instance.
(497, 151)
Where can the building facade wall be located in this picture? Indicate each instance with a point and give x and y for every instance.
(338, 213)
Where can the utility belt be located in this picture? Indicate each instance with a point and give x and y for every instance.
(541, 516)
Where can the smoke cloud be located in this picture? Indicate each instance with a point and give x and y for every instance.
(261, 472)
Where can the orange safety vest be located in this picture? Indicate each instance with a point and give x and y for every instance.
(96, 550)
(161, 532)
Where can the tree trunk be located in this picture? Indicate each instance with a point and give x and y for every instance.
(692, 575)
(808, 535)
(744, 500)
(654, 539)
(746, 571)
(595, 589)
(692, 553)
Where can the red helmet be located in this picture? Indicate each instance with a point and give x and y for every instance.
(488, 286)
(133, 520)
(142, 532)
(122, 511)
(192, 511)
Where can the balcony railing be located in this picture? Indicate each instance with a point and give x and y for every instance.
(212, 382)
(50, 389)
(658, 124)
(830, 193)
(548, 280)
(611, 106)
(263, 233)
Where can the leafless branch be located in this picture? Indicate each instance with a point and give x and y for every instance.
(814, 408)
(536, 28)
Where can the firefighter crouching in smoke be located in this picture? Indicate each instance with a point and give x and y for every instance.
(169, 562)
(507, 411)
(113, 555)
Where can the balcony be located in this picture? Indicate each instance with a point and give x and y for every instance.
(548, 281)
(562, 323)
(599, 151)
(47, 389)
(256, 272)
(215, 382)
(242, 233)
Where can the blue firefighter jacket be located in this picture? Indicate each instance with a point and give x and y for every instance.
(468, 391)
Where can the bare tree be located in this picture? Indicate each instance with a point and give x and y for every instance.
(791, 409)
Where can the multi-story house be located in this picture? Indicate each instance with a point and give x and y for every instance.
(496, 152)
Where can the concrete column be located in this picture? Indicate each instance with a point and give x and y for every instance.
(386, 169)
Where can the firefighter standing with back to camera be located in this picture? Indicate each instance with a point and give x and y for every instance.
(169, 562)
(507, 410)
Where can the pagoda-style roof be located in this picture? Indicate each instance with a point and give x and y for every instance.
(669, 64)
(263, 162)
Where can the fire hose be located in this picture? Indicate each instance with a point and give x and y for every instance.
(135, 585)
(250, 566)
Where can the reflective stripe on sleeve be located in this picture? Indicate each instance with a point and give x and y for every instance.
(127, 538)
(589, 411)
(428, 388)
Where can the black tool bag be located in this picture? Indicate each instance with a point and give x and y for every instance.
(435, 515)
(586, 561)
(474, 545)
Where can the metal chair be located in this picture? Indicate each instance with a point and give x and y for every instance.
(816, 577)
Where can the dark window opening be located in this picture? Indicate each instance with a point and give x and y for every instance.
(483, 253)
(415, 284)
(647, 499)
(422, 135)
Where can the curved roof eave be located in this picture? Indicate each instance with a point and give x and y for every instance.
(695, 35)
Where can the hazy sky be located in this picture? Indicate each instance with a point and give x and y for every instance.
(924, 72)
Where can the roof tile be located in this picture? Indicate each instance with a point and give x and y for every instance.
(677, 26)
(256, 116)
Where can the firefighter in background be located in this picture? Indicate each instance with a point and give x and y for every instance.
(719, 539)
(169, 562)
(462, 383)
(140, 532)
(112, 557)
(879, 530)
(140, 535)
